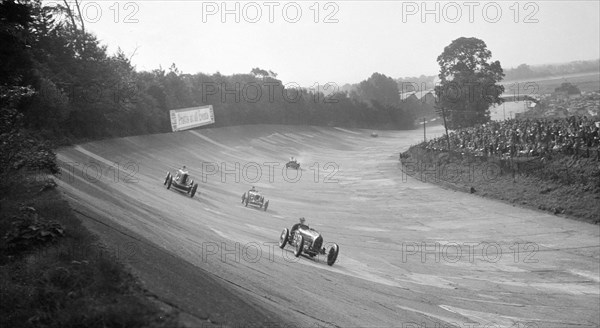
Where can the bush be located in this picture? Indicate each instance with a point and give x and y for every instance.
(30, 231)
(21, 149)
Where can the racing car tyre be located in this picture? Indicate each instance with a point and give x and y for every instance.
(299, 246)
(194, 188)
(243, 198)
(167, 178)
(333, 254)
(283, 238)
(169, 183)
(247, 198)
(266, 205)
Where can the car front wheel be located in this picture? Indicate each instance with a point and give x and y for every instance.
(283, 238)
(333, 254)
(299, 246)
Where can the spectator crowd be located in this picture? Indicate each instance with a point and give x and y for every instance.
(578, 136)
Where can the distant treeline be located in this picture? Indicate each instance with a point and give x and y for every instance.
(65, 85)
(521, 72)
(524, 71)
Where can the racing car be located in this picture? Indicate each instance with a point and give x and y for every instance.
(181, 182)
(308, 241)
(253, 197)
(293, 164)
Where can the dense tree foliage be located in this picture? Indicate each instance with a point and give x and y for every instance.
(568, 89)
(468, 82)
(79, 91)
(379, 88)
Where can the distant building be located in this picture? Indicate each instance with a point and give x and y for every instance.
(428, 98)
(409, 96)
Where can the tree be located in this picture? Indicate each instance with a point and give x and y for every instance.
(468, 83)
(20, 148)
(379, 88)
(567, 88)
(523, 71)
(259, 73)
(15, 56)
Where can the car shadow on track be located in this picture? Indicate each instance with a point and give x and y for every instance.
(291, 258)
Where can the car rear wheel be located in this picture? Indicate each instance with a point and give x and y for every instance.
(333, 254)
(194, 188)
(283, 238)
(243, 198)
(266, 205)
(246, 201)
(167, 178)
(169, 182)
(299, 246)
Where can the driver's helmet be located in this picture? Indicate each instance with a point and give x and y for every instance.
(183, 170)
(302, 221)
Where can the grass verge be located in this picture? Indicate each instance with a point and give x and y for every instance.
(55, 273)
(563, 184)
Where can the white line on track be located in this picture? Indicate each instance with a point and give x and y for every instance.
(212, 141)
(348, 131)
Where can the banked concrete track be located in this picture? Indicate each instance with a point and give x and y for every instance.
(411, 253)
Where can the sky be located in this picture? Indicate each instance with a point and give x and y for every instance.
(310, 42)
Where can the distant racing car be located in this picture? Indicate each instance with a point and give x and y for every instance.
(308, 241)
(181, 182)
(253, 197)
(293, 164)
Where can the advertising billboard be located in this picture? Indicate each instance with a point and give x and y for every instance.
(193, 117)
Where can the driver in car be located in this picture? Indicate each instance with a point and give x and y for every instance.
(298, 225)
(181, 172)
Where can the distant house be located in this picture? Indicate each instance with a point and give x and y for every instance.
(409, 96)
(428, 98)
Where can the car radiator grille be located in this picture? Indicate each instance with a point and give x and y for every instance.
(318, 243)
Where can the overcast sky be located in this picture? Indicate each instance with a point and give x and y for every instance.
(341, 41)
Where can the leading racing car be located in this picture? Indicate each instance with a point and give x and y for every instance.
(308, 241)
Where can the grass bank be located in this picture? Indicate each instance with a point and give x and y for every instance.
(55, 273)
(562, 184)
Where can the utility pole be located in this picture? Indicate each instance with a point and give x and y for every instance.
(443, 111)
(424, 133)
